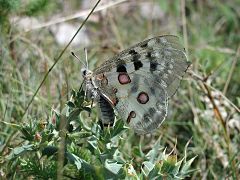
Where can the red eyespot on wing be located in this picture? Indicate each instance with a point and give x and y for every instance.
(131, 115)
(123, 78)
(143, 98)
(101, 77)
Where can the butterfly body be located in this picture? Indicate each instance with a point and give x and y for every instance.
(138, 82)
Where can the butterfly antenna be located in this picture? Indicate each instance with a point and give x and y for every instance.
(86, 66)
(86, 57)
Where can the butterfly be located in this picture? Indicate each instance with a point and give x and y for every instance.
(137, 82)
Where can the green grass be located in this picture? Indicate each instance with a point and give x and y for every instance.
(200, 137)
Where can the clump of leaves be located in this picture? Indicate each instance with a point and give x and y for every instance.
(90, 151)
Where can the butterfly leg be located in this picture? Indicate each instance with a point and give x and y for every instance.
(89, 114)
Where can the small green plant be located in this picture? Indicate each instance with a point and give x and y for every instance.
(89, 151)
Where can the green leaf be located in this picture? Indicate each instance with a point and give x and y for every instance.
(167, 167)
(80, 135)
(147, 167)
(177, 167)
(118, 156)
(73, 93)
(118, 128)
(27, 135)
(154, 154)
(80, 163)
(73, 115)
(16, 152)
(70, 104)
(131, 171)
(113, 166)
(112, 134)
(93, 142)
(87, 109)
(73, 159)
(186, 167)
(154, 173)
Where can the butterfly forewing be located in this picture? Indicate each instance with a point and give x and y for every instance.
(138, 81)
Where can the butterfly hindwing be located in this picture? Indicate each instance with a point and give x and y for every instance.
(138, 81)
(140, 108)
(143, 106)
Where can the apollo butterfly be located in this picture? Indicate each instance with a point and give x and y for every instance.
(138, 82)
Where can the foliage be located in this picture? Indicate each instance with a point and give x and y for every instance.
(90, 151)
(200, 137)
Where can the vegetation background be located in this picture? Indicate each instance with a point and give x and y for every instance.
(55, 138)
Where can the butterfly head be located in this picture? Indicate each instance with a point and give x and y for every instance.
(86, 73)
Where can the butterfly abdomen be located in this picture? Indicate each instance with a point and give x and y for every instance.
(106, 111)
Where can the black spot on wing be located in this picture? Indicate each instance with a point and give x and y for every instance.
(152, 111)
(132, 52)
(149, 55)
(144, 45)
(135, 56)
(121, 68)
(117, 101)
(152, 90)
(121, 65)
(137, 65)
(146, 118)
(153, 66)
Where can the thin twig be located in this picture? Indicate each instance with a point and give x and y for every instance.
(10, 124)
(215, 108)
(231, 71)
(184, 24)
(58, 58)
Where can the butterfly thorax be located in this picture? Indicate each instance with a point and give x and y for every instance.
(91, 91)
